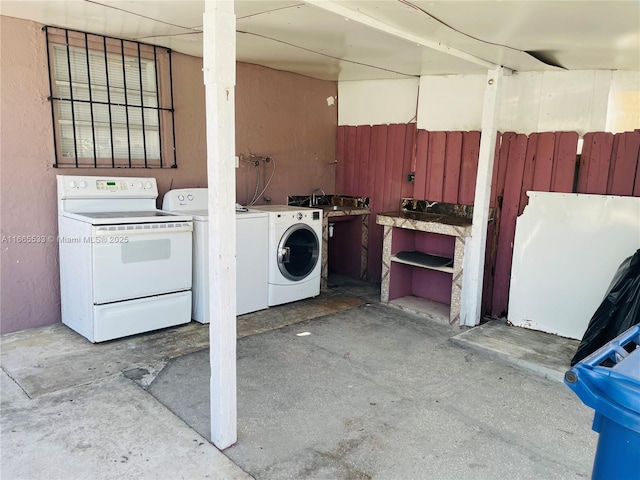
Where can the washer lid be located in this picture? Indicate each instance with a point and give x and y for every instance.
(198, 215)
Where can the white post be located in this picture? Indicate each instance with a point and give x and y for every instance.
(219, 61)
(471, 302)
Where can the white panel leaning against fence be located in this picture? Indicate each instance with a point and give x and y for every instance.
(566, 251)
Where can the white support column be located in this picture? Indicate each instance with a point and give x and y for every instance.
(471, 303)
(219, 61)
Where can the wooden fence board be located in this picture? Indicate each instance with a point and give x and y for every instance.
(613, 159)
(420, 184)
(509, 212)
(370, 185)
(341, 159)
(363, 142)
(529, 169)
(500, 168)
(636, 185)
(469, 167)
(395, 155)
(409, 160)
(497, 190)
(544, 162)
(350, 183)
(624, 163)
(585, 162)
(392, 201)
(564, 166)
(378, 153)
(453, 159)
(599, 163)
(435, 173)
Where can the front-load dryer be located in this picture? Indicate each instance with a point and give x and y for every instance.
(251, 252)
(295, 249)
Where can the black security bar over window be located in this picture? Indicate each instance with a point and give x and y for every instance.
(111, 101)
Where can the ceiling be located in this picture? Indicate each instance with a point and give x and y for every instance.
(369, 39)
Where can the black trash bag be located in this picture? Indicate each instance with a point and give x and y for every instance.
(619, 310)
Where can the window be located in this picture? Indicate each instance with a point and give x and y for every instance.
(111, 101)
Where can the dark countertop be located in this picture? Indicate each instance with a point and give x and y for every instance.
(337, 211)
(428, 217)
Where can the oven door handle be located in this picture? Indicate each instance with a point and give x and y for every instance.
(146, 229)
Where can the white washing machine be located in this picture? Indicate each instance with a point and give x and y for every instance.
(295, 248)
(251, 252)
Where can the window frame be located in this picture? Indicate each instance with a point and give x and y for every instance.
(117, 53)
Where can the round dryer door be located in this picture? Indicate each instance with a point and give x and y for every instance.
(298, 252)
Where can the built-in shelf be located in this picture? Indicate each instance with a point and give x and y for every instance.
(412, 279)
(424, 260)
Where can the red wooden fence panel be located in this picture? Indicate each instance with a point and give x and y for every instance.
(420, 184)
(469, 167)
(544, 162)
(350, 151)
(435, 166)
(636, 186)
(375, 161)
(529, 169)
(594, 165)
(613, 159)
(509, 211)
(500, 169)
(497, 192)
(409, 160)
(453, 160)
(363, 145)
(564, 167)
(341, 159)
(395, 165)
(583, 167)
(378, 153)
(624, 164)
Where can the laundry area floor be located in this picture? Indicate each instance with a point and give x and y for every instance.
(336, 387)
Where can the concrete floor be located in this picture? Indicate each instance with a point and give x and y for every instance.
(372, 392)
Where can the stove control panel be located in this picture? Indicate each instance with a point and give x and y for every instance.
(113, 185)
(71, 186)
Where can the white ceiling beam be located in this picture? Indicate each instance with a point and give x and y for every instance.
(361, 18)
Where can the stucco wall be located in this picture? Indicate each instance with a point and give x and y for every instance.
(285, 116)
(278, 114)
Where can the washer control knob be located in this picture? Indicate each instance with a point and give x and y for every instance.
(189, 197)
(147, 185)
(72, 184)
(83, 184)
(299, 216)
(181, 197)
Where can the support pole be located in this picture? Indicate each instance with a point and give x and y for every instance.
(219, 67)
(471, 302)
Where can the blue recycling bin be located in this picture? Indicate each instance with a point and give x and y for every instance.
(608, 381)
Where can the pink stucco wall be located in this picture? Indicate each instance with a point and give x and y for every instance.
(279, 114)
(285, 116)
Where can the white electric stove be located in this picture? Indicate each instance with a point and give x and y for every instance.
(125, 266)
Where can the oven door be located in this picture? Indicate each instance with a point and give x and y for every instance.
(140, 260)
